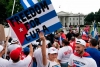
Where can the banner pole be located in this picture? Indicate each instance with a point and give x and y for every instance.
(13, 8)
(7, 43)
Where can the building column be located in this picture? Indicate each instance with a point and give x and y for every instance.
(64, 21)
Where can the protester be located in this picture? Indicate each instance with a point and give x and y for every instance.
(85, 35)
(70, 34)
(81, 58)
(62, 34)
(38, 54)
(93, 51)
(64, 53)
(15, 60)
(14, 44)
(52, 54)
(56, 45)
(72, 43)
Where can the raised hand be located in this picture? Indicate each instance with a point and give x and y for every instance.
(41, 36)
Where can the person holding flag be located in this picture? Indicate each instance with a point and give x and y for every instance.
(94, 32)
(85, 35)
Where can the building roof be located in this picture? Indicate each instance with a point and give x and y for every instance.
(62, 13)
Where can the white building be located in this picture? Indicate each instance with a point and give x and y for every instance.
(70, 18)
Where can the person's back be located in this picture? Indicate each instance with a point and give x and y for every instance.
(15, 60)
(3, 62)
(64, 54)
(22, 63)
(38, 57)
(95, 53)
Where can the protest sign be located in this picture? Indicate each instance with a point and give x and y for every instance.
(2, 33)
(28, 23)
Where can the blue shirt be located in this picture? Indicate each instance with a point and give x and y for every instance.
(95, 54)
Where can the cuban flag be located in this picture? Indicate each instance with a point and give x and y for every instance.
(44, 16)
(28, 3)
(94, 32)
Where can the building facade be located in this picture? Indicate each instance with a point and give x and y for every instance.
(70, 18)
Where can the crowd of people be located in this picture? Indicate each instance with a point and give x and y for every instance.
(53, 50)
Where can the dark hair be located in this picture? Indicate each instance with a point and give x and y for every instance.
(16, 60)
(65, 42)
(77, 35)
(94, 42)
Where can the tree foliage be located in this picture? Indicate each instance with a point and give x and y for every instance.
(93, 16)
(6, 9)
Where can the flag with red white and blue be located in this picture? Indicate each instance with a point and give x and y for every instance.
(39, 17)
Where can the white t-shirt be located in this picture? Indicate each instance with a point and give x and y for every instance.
(81, 62)
(22, 63)
(64, 54)
(3, 62)
(12, 47)
(38, 57)
(52, 64)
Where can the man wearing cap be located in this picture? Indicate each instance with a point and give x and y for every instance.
(15, 56)
(3, 62)
(81, 58)
(14, 45)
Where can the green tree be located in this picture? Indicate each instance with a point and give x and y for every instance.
(6, 9)
(17, 7)
(90, 17)
(97, 16)
(2, 12)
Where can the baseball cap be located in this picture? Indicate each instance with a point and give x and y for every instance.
(14, 40)
(15, 54)
(1, 48)
(81, 42)
(52, 50)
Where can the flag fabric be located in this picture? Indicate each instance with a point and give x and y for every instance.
(94, 32)
(28, 3)
(39, 17)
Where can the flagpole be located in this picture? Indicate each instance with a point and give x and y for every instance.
(13, 8)
(9, 31)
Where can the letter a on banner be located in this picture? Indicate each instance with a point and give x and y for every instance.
(28, 3)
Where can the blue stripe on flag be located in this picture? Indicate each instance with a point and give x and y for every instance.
(46, 17)
(47, 1)
(31, 3)
(23, 4)
(51, 29)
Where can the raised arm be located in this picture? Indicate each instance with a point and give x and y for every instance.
(44, 58)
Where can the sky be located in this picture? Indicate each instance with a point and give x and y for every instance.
(76, 6)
